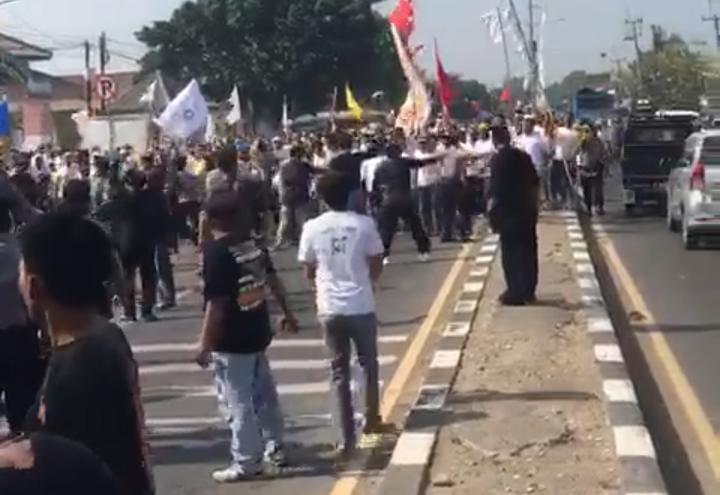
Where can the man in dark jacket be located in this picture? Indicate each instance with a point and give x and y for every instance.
(513, 212)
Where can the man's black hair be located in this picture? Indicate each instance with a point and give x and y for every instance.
(222, 207)
(334, 189)
(72, 256)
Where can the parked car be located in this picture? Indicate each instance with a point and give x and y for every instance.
(652, 144)
(693, 190)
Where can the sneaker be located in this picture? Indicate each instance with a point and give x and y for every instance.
(235, 474)
(386, 260)
(344, 455)
(164, 306)
(276, 457)
(424, 257)
(128, 319)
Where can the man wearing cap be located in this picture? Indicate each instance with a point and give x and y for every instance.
(513, 213)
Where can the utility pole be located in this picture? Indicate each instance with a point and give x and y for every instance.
(508, 70)
(103, 61)
(715, 19)
(634, 36)
(88, 80)
(533, 52)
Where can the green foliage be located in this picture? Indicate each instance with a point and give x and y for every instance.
(672, 74)
(301, 48)
(467, 91)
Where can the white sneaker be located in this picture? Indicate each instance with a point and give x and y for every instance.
(235, 474)
(424, 257)
(386, 261)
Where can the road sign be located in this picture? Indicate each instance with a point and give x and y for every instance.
(106, 88)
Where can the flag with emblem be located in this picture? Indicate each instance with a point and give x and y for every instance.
(186, 114)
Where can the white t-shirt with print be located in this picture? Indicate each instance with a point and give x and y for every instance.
(339, 244)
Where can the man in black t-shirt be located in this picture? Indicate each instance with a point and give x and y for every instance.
(236, 332)
(91, 390)
(349, 165)
(392, 183)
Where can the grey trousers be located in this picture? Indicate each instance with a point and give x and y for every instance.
(340, 333)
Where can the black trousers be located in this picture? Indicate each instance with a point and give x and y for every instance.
(559, 183)
(593, 191)
(388, 216)
(143, 261)
(520, 261)
(22, 370)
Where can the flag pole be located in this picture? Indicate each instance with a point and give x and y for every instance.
(333, 109)
(508, 71)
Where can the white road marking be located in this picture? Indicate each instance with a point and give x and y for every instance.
(484, 260)
(599, 325)
(619, 391)
(633, 441)
(465, 307)
(608, 353)
(480, 272)
(445, 360)
(199, 391)
(578, 246)
(585, 268)
(276, 365)
(581, 256)
(457, 330)
(413, 449)
(586, 283)
(575, 236)
(277, 344)
(474, 287)
(489, 248)
(495, 238)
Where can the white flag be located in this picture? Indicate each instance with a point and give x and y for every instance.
(285, 115)
(186, 114)
(235, 114)
(209, 129)
(495, 24)
(156, 96)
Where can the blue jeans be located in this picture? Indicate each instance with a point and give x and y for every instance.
(246, 389)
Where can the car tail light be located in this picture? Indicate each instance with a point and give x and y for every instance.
(697, 177)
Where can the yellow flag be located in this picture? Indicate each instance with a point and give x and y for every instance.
(352, 103)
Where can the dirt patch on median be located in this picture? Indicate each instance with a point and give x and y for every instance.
(525, 414)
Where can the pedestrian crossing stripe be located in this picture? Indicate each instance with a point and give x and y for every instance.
(283, 389)
(277, 344)
(275, 365)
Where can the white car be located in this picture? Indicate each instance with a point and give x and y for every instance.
(693, 190)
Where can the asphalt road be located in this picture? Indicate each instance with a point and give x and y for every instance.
(679, 291)
(187, 439)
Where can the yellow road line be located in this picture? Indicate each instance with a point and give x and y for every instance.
(345, 485)
(689, 402)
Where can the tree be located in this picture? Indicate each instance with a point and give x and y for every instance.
(671, 74)
(270, 48)
(469, 96)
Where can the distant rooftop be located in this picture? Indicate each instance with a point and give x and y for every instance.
(23, 50)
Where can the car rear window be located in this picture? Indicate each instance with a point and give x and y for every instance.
(710, 155)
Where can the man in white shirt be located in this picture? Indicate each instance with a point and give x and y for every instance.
(342, 255)
(367, 172)
(534, 144)
(566, 146)
(428, 188)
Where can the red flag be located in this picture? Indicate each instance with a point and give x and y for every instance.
(505, 95)
(403, 17)
(444, 86)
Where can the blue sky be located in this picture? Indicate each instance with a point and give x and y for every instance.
(578, 31)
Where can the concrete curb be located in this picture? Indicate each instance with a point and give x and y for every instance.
(640, 472)
(408, 469)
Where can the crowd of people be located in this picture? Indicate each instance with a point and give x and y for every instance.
(76, 230)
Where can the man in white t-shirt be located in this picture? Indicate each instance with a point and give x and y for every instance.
(342, 255)
(429, 188)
